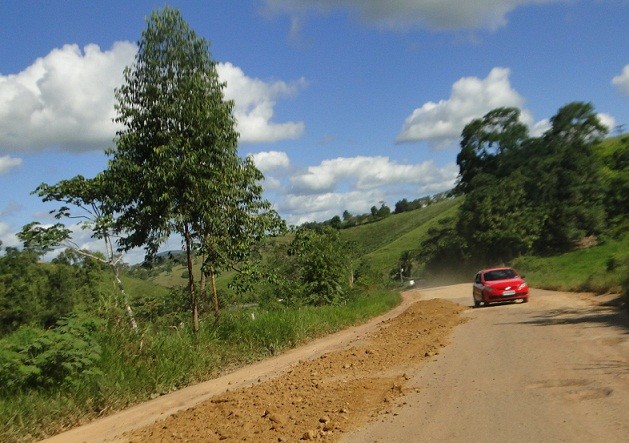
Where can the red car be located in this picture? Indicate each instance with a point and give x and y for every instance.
(497, 285)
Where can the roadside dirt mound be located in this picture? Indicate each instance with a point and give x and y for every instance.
(319, 399)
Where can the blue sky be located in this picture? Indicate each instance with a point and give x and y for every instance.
(343, 104)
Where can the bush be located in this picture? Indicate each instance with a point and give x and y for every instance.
(66, 355)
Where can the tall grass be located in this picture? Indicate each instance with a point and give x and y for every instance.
(137, 367)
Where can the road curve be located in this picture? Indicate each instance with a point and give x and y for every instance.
(555, 369)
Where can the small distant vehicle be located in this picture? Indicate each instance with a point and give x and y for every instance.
(498, 285)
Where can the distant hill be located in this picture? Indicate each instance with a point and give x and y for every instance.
(379, 243)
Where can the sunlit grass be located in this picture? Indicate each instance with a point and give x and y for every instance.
(597, 269)
(139, 366)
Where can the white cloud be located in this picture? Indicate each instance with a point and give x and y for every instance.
(622, 80)
(254, 103)
(440, 124)
(365, 173)
(299, 209)
(272, 183)
(357, 183)
(403, 14)
(271, 160)
(66, 100)
(607, 120)
(539, 128)
(7, 236)
(7, 163)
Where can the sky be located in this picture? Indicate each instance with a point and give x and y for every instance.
(343, 104)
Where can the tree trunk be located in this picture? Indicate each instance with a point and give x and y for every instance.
(113, 263)
(215, 303)
(127, 306)
(194, 302)
(203, 285)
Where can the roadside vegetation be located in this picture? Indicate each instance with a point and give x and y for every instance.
(599, 269)
(85, 334)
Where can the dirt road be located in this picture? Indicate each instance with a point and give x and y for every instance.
(555, 369)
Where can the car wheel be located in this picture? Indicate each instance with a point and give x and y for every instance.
(476, 302)
(525, 300)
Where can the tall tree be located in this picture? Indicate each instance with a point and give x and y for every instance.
(488, 144)
(564, 177)
(614, 154)
(176, 167)
(497, 219)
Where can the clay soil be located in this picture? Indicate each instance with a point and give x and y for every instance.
(323, 398)
(553, 369)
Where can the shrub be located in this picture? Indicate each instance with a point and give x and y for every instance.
(66, 355)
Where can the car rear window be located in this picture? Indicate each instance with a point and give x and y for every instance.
(500, 274)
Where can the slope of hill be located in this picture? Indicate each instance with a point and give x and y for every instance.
(381, 243)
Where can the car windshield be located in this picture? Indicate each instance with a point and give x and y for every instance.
(500, 274)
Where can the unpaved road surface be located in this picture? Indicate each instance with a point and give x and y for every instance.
(555, 369)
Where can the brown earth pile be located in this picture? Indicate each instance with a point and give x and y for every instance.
(319, 399)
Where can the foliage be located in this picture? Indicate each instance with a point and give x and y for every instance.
(496, 220)
(170, 358)
(525, 195)
(601, 268)
(488, 146)
(165, 309)
(322, 265)
(444, 250)
(32, 294)
(63, 356)
(91, 203)
(176, 167)
(87, 201)
(614, 157)
(565, 182)
(404, 268)
(316, 268)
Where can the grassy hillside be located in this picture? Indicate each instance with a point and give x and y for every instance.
(386, 257)
(379, 243)
(600, 269)
(610, 146)
(375, 236)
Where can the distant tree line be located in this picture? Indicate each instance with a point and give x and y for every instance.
(41, 294)
(349, 220)
(404, 205)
